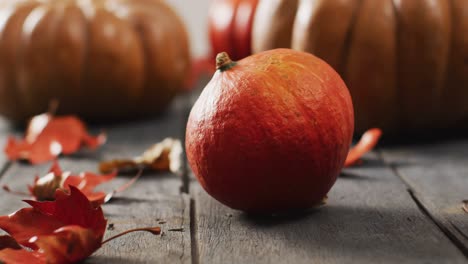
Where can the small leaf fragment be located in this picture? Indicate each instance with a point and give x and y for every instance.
(163, 156)
(367, 142)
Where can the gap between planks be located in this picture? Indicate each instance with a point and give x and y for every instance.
(446, 227)
(193, 233)
(459, 244)
(187, 105)
(189, 99)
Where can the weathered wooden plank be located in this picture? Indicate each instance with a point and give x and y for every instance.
(171, 213)
(437, 174)
(154, 200)
(370, 218)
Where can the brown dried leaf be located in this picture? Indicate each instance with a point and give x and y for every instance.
(163, 156)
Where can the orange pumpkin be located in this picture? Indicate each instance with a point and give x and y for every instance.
(270, 133)
(100, 59)
(404, 61)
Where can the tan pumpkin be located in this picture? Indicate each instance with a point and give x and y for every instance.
(99, 58)
(404, 61)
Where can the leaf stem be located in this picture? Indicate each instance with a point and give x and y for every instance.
(7, 189)
(53, 106)
(123, 187)
(153, 230)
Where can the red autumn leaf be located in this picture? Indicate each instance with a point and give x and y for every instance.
(66, 230)
(45, 217)
(367, 142)
(48, 136)
(9, 255)
(44, 188)
(12, 252)
(73, 208)
(37, 224)
(87, 181)
(83, 242)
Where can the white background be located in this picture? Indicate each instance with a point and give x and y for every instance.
(194, 13)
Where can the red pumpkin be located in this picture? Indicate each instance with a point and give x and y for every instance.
(271, 132)
(230, 26)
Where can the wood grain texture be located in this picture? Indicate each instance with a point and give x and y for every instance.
(437, 175)
(370, 218)
(171, 213)
(154, 200)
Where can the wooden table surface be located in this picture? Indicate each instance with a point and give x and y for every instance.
(403, 205)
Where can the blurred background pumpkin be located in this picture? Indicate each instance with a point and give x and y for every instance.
(101, 59)
(230, 27)
(404, 61)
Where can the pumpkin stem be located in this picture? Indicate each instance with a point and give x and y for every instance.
(223, 62)
(53, 106)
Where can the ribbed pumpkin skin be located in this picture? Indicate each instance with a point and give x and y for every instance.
(100, 59)
(404, 61)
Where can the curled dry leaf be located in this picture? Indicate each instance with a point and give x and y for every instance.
(44, 188)
(367, 142)
(48, 136)
(66, 230)
(163, 156)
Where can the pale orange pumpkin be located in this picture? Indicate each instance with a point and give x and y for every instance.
(404, 61)
(99, 58)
